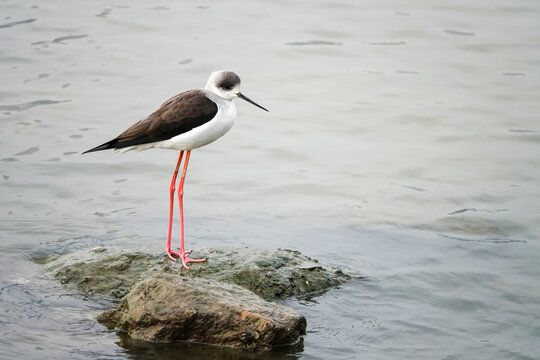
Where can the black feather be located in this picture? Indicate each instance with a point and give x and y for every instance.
(106, 146)
(178, 115)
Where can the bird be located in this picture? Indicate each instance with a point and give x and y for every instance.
(186, 121)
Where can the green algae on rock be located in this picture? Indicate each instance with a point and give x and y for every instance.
(271, 274)
(225, 301)
(111, 270)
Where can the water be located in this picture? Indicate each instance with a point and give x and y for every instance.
(402, 142)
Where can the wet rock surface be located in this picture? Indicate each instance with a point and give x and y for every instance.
(271, 274)
(225, 301)
(166, 308)
(110, 271)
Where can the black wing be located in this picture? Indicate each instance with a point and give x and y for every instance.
(176, 116)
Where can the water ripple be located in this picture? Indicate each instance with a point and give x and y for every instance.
(493, 240)
(460, 33)
(60, 40)
(314, 42)
(68, 37)
(460, 211)
(28, 105)
(29, 151)
(15, 23)
(388, 43)
(104, 13)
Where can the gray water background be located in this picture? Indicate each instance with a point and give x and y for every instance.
(402, 143)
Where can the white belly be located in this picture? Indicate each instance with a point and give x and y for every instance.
(199, 136)
(204, 134)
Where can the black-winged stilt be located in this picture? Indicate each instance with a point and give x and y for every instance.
(184, 122)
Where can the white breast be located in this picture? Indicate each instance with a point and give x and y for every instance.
(201, 135)
(206, 133)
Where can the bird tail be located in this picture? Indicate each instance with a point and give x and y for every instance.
(106, 146)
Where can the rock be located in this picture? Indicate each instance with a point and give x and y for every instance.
(111, 270)
(166, 307)
(272, 274)
(222, 301)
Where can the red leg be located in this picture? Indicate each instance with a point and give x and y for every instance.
(183, 253)
(170, 253)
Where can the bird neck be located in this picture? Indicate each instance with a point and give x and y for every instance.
(221, 102)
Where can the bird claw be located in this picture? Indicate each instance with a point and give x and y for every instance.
(170, 254)
(186, 260)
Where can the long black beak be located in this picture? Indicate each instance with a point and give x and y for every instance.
(242, 96)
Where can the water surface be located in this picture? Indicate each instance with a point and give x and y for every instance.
(402, 143)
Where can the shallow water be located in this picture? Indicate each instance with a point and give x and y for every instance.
(402, 143)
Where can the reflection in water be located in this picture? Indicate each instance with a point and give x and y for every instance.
(143, 350)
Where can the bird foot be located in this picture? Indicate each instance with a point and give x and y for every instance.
(170, 254)
(186, 260)
(183, 257)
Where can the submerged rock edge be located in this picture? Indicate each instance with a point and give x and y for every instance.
(168, 308)
(156, 297)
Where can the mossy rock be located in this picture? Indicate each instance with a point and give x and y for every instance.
(271, 274)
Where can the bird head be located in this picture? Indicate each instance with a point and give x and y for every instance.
(226, 85)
